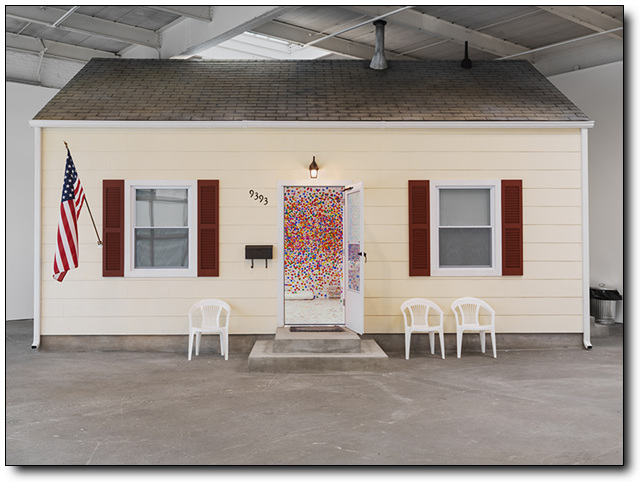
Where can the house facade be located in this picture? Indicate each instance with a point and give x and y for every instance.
(469, 182)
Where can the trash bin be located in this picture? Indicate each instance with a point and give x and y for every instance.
(603, 305)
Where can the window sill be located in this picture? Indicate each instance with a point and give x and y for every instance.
(466, 272)
(161, 273)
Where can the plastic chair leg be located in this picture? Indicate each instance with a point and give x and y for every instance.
(198, 336)
(493, 343)
(441, 336)
(407, 344)
(483, 341)
(459, 342)
(432, 341)
(226, 345)
(190, 345)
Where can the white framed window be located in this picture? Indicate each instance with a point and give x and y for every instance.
(160, 229)
(465, 228)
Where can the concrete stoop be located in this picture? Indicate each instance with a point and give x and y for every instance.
(291, 352)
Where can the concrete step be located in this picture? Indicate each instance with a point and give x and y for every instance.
(287, 341)
(316, 351)
(263, 359)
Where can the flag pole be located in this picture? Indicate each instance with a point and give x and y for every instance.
(94, 223)
(86, 201)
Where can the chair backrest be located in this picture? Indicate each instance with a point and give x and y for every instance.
(210, 311)
(418, 309)
(469, 310)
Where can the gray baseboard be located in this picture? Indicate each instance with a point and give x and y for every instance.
(150, 343)
(242, 344)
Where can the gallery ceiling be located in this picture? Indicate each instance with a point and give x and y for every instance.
(47, 45)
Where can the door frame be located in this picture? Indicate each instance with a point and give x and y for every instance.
(281, 186)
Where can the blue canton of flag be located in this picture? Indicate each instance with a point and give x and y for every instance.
(67, 252)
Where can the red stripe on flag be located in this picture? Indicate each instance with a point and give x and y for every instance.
(70, 224)
(79, 195)
(62, 247)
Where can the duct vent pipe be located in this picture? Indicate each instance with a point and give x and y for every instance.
(466, 62)
(379, 62)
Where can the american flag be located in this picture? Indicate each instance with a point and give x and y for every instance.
(66, 257)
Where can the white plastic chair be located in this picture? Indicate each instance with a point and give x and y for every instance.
(210, 314)
(418, 322)
(469, 320)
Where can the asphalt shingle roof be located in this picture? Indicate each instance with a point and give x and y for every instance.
(308, 90)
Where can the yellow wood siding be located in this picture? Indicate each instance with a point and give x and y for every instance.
(547, 299)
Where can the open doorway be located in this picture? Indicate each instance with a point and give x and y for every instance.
(313, 254)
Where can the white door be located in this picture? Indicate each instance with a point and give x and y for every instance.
(354, 257)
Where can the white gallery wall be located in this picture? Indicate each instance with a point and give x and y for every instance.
(22, 102)
(597, 91)
(599, 94)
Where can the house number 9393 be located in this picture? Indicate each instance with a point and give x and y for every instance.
(258, 197)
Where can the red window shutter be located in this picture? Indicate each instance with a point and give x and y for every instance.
(419, 241)
(113, 227)
(208, 227)
(512, 244)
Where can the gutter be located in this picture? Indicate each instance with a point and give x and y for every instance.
(586, 317)
(37, 235)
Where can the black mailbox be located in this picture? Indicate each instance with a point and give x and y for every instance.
(259, 251)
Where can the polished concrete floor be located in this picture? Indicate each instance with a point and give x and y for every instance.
(527, 407)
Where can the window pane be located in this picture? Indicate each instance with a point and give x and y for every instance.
(465, 247)
(353, 217)
(162, 247)
(465, 207)
(354, 267)
(161, 207)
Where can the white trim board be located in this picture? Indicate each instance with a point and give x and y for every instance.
(317, 124)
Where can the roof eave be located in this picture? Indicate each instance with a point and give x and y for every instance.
(581, 124)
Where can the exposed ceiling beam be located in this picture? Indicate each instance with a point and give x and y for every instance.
(34, 69)
(357, 25)
(197, 12)
(588, 17)
(337, 45)
(84, 24)
(559, 44)
(443, 29)
(51, 48)
(578, 56)
(190, 37)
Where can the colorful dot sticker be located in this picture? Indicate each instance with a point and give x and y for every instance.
(313, 240)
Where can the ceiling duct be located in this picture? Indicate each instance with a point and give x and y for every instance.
(379, 62)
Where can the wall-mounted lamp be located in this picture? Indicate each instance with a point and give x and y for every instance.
(313, 169)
